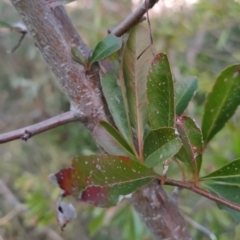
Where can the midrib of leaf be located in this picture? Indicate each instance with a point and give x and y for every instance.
(169, 108)
(220, 184)
(120, 176)
(136, 84)
(170, 103)
(223, 177)
(162, 147)
(226, 184)
(188, 140)
(134, 50)
(120, 182)
(139, 123)
(123, 90)
(139, 101)
(219, 111)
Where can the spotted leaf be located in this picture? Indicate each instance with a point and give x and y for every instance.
(160, 145)
(221, 102)
(185, 91)
(135, 64)
(103, 180)
(225, 182)
(160, 93)
(115, 96)
(191, 136)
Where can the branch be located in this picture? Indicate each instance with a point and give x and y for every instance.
(28, 132)
(10, 197)
(134, 18)
(159, 212)
(203, 192)
(9, 216)
(54, 35)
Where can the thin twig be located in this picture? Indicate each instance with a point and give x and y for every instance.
(9, 216)
(18, 43)
(27, 132)
(175, 193)
(20, 28)
(200, 191)
(201, 228)
(149, 29)
(10, 197)
(134, 18)
(18, 207)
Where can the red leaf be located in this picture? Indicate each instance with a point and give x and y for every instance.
(65, 180)
(95, 195)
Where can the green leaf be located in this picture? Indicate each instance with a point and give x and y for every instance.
(221, 102)
(230, 173)
(191, 137)
(229, 192)
(132, 229)
(97, 223)
(160, 145)
(77, 55)
(102, 180)
(131, 224)
(105, 48)
(225, 182)
(185, 91)
(111, 140)
(5, 25)
(113, 95)
(183, 156)
(136, 60)
(160, 93)
(235, 214)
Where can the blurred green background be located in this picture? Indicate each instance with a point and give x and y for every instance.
(200, 38)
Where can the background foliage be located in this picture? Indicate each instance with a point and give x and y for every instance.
(200, 40)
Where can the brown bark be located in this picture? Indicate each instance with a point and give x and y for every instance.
(160, 213)
(54, 35)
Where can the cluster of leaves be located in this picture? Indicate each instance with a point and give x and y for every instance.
(149, 128)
